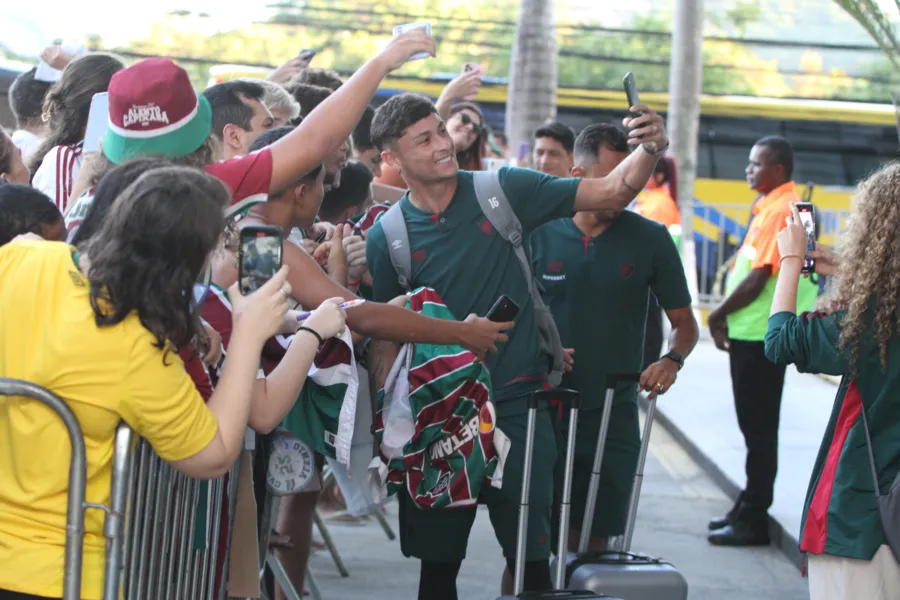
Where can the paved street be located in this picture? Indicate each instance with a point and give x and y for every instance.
(677, 502)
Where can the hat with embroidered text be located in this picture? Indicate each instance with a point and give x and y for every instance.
(154, 110)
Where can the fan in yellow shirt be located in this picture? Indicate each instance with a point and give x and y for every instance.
(100, 331)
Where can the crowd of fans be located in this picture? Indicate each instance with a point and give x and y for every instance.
(103, 252)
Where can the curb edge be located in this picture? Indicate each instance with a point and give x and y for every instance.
(782, 539)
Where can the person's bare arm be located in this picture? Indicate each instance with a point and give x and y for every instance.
(381, 321)
(619, 188)
(255, 319)
(458, 88)
(331, 123)
(685, 330)
(274, 396)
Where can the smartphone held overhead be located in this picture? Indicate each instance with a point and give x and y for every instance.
(259, 256)
(807, 214)
(631, 92)
(409, 26)
(472, 68)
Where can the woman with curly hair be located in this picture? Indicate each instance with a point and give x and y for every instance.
(856, 334)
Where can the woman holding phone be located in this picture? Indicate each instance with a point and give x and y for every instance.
(856, 335)
(101, 329)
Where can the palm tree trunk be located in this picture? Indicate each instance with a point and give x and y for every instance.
(531, 95)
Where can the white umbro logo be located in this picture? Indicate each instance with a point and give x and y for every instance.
(397, 244)
(493, 202)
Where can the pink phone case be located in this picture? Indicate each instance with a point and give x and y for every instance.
(465, 69)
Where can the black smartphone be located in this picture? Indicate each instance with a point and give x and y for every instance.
(808, 220)
(631, 92)
(259, 256)
(307, 54)
(503, 310)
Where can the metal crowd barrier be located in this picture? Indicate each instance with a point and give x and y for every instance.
(175, 545)
(159, 553)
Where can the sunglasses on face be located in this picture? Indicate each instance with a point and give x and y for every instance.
(467, 121)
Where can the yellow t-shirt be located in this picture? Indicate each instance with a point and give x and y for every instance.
(48, 336)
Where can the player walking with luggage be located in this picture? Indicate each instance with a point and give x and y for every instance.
(455, 247)
(598, 270)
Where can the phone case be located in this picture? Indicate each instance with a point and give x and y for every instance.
(266, 262)
(419, 24)
(470, 68)
(98, 122)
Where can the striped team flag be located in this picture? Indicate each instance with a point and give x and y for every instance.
(435, 422)
(325, 412)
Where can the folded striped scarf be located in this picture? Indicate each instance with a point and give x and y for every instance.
(435, 422)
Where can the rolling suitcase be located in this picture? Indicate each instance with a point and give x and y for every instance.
(534, 401)
(620, 572)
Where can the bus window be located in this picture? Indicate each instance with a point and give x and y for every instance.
(704, 162)
(824, 168)
(859, 166)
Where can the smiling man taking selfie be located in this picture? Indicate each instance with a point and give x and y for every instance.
(455, 248)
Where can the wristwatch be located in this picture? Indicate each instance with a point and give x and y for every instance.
(676, 357)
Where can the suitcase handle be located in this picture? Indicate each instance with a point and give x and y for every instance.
(614, 379)
(570, 397)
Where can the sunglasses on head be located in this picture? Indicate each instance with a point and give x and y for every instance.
(468, 121)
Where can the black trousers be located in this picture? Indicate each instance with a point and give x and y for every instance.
(757, 385)
(653, 335)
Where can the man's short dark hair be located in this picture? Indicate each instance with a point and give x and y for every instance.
(26, 98)
(362, 133)
(395, 116)
(353, 191)
(781, 153)
(228, 106)
(559, 132)
(326, 78)
(592, 137)
(24, 209)
(269, 137)
(309, 97)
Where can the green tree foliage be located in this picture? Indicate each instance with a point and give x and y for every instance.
(591, 56)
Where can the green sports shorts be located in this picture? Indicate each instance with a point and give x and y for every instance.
(616, 474)
(441, 535)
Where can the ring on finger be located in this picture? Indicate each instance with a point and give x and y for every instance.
(283, 291)
(659, 387)
(654, 129)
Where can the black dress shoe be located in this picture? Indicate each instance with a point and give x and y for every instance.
(738, 533)
(721, 522)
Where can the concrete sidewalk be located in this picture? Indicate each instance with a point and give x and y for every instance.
(676, 500)
(699, 413)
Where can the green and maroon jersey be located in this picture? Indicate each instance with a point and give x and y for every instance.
(450, 453)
